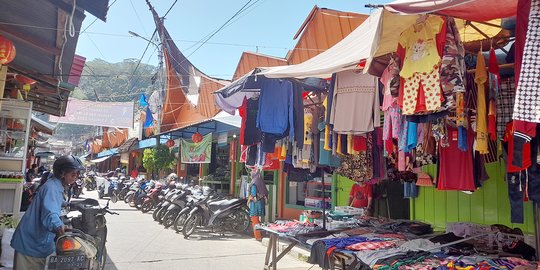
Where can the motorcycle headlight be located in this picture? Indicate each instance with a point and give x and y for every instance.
(68, 244)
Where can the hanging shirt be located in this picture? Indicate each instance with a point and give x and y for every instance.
(274, 104)
(481, 110)
(421, 48)
(456, 166)
(356, 103)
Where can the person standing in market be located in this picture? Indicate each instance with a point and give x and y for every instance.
(33, 239)
(31, 173)
(258, 194)
(361, 196)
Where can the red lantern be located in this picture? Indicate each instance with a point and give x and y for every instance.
(197, 137)
(7, 51)
(169, 143)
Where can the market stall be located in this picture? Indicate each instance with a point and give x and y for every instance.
(438, 102)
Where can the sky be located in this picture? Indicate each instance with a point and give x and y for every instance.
(267, 27)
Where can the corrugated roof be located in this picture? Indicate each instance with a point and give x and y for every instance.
(36, 28)
(251, 60)
(76, 70)
(322, 29)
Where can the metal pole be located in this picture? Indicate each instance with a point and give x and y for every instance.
(536, 229)
(324, 201)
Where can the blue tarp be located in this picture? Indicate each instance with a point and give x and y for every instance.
(107, 153)
(151, 142)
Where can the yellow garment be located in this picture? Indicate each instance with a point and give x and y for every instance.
(283, 153)
(338, 147)
(420, 45)
(326, 145)
(308, 133)
(350, 144)
(481, 111)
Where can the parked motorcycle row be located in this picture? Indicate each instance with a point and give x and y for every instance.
(184, 208)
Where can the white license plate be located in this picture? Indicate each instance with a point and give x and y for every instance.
(67, 262)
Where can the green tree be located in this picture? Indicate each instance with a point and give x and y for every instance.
(157, 160)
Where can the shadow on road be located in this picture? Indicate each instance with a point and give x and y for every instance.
(109, 264)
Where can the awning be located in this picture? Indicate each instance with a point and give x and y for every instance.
(346, 54)
(128, 145)
(222, 122)
(473, 10)
(109, 152)
(98, 160)
(42, 126)
(150, 142)
(376, 36)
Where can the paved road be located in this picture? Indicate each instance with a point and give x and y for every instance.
(136, 241)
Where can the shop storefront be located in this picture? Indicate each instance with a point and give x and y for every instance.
(418, 109)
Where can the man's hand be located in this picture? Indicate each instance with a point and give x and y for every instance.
(60, 230)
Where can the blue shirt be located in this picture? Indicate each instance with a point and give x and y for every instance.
(275, 106)
(35, 234)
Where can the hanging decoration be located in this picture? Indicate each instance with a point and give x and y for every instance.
(169, 143)
(26, 83)
(7, 51)
(197, 137)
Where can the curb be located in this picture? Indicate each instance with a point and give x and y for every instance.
(296, 252)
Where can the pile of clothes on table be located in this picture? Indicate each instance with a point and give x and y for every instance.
(292, 228)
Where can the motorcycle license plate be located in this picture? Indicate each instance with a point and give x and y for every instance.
(67, 262)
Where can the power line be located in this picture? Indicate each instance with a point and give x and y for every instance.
(221, 27)
(97, 18)
(167, 13)
(138, 17)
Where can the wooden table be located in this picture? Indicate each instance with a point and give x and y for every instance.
(272, 256)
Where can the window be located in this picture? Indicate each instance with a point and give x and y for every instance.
(307, 190)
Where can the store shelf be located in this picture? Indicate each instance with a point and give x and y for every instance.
(10, 180)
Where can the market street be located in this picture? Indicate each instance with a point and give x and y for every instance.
(136, 241)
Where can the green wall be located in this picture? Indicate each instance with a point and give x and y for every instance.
(488, 205)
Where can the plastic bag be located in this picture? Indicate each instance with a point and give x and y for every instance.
(8, 253)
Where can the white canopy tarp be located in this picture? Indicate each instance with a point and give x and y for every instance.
(345, 55)
(378, 35)
(226, 118)
(101, 159)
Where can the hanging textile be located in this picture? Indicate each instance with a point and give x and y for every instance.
(358, 167)
(355, 108)
(505, 105)
(421, 90)
(527, 104)
(452, 65)
(481, 113)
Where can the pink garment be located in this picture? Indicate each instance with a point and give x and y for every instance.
(386, 78)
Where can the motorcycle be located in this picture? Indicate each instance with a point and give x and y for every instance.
(123, 188)
(77, 188)
(192, 202)
(177, 204)
(82, 247)
(109, 188)
(152, 198)
(90, 181)
(137, 198)
(162, 206)
(224, 215)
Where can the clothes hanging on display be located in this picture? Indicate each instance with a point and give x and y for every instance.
(505, 105)
(452, 65)
(481, 112)
(450, 158)
(355, 108)
(249, 133)
(527, 104)
(275, 107)
(420, 47)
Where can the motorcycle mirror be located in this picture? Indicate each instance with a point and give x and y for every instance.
(108, 201)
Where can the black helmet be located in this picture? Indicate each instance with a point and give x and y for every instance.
(67, 163)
